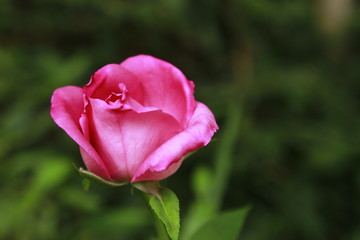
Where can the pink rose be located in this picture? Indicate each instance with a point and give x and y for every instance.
(134, 121)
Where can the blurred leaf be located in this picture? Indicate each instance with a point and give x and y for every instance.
(225, 226)
(84, 201)
(49, 175)
(115, 223)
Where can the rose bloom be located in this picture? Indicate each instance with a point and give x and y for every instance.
(134, 121)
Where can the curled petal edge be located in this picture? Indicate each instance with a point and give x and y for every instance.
(66, 109)
(166, 159)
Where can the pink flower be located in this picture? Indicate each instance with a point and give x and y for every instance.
(134, 121)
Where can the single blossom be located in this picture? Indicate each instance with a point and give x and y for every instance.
(134, 121)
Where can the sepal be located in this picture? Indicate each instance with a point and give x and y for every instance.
(95, 178)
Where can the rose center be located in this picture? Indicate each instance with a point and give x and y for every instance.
(118, 96)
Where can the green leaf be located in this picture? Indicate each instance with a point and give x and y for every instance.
(165, 204)
(95, 178)
(225, 226)
(166, 207)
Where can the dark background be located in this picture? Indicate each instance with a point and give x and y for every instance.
(282, 78)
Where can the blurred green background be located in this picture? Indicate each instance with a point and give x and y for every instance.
(282, 78)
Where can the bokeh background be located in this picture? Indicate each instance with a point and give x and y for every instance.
(282, 78)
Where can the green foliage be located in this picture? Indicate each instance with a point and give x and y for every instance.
(225, 226)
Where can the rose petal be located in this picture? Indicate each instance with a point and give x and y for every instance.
(107, 80)
(124, 139)
(66, 108)
(165, 160)
(164, 86)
